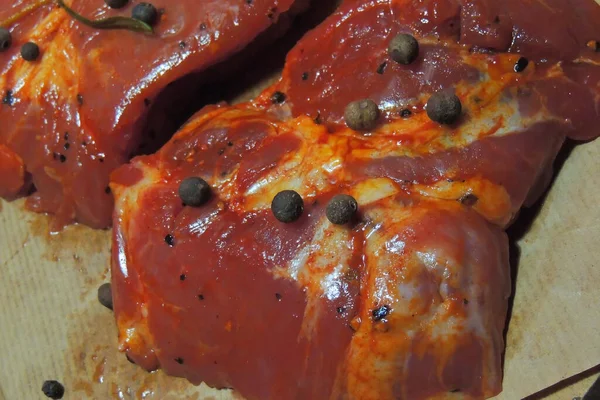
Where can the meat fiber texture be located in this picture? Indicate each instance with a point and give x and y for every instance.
(408, 301)
(80, 110)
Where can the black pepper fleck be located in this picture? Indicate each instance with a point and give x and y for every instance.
(147, 102)
(182, 277)
(521, 64)
(469, 199)
(66, 146)
(200, 297)
(182, 45)
(53, 389)
(278, 97)
(101, 159)
(116, 3)
(229, 144)
(304, 76)
(5, 39)
(8, 98)
(497, 19)
(318, 120)
(62, 158)
(381, 68)
(80, 99)
(66, 136)
(465, 302)
(341, 310)
(179, 360)
(203, 26)
(107, 190)
(380, 313)
(405, 113)
(170, 240)
(221, 151)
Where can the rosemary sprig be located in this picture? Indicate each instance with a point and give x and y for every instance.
(25, 11)
(119, 22)
(130, 24)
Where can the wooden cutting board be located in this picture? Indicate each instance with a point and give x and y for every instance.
(52, 327)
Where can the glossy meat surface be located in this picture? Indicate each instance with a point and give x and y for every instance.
(78, 112)
(407, 302)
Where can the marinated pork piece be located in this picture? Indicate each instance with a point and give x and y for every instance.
(79, 110)
(408, 299)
